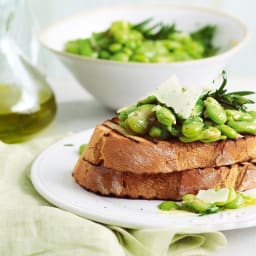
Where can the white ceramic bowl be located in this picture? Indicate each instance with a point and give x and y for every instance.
(117, 84)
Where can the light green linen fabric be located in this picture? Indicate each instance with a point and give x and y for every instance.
(30, 226)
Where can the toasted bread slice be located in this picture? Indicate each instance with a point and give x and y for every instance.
(111, 147)
(164, 186)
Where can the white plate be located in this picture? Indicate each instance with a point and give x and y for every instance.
(52, 177)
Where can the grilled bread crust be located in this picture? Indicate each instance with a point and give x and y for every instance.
(111, 147)
(171, 186)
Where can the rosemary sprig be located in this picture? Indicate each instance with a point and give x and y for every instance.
(155, 31)
(232, 100)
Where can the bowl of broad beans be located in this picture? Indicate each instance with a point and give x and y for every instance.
(122, 53)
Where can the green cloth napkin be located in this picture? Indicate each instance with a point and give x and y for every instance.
(29, 225)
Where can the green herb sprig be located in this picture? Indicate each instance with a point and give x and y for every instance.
(205, 36)
(155, 31)
(233, 100)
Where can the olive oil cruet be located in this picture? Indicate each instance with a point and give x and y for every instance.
(27, 103)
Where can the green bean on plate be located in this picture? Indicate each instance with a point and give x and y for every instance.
(209, 201)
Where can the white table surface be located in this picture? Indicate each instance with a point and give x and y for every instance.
(78, 111)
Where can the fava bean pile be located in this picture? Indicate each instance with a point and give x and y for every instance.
(143, 42)
(216, 116)
(192, 203)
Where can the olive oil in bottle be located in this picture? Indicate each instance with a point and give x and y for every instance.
(27, 102)
(17, 126)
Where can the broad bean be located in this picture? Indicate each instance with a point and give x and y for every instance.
(215, 111)
(210, 134)
(168, 205)
(243, 126)
(137, 123)
(228, 131)
(120, 56)
(115, 47)
(165, 116)
(139, 120)
(207, 135)
(238, 115)
(158, 133)
(196, 204)
(192, 126)
(123, 113)
(253, 114)
(86, 49)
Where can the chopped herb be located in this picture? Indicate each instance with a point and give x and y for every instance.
(68, 145)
